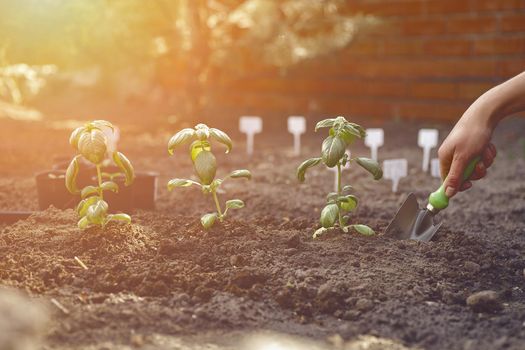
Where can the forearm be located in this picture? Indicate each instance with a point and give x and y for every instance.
(503, 100)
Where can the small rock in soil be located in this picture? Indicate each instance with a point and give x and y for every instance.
(471, 267)
(236, 260)
(485, 301)
(364, 304)
(246, 279)
(294, 241)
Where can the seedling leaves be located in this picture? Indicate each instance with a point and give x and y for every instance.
(207, 220)
(371, 166)
(234, 204)
(109, 186)
(125, 165)
(240, 174)
(222, 137)
(363, 229)
(119, 217)
(301, 170)
(75, 135)
(88, 191)
(327, 123)
(71, 176)
(179, 183)
(205, 166)
(92, 145)
(349, 202)
(333, 149)
(84, 204)
(179, 138)
(329, 215)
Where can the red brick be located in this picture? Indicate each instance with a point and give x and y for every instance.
(511, 67)
(513, 23)
(497, 5)
(435, 111)
(420, 27)
(388, 8)
(399, 47)
(448, 47)
(447, 6)
(500, 45)
(433, 90)
(469, 25)
(471, 91)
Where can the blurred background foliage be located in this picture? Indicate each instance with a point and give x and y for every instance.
(102, 56)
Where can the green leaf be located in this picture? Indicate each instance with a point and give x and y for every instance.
(97, 212)
(331, 196)
(88, 191)
(83, 223)
(333, 149)
(309, 163)
(327, 123)
(234, 204)
(180, 138)
(75, 135)
(363, 229)
(347, 188)
(109, 186)
(197, 147)
(179, 183)
(125, 166)
(93, 145)
(236, 174)
(371, 166)
(319, 232)
(84, 204)
(222, 137)
(329, 215)
(102, 123)
(202, 131)
(205, 166)
(359, 128)
(121, 217)
(349, 202)
(207, 220)
(71, 176)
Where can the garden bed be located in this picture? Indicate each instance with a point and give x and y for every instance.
(164, 276)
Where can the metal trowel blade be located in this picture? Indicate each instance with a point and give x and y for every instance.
(412, 222)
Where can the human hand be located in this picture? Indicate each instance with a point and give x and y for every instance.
(469, 139)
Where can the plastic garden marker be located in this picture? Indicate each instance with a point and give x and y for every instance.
(296, 126)
(374, 139)
(336, 171)
(395, 170)
(250, 126)
(92, 144)
(205, 166)
(435, 170)
(427, 139)
(341, 134)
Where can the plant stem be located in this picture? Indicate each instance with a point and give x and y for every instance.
(99, 177)
(339, 174)
(217, 204)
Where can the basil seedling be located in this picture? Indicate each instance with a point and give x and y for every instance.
(91, 142)
(342, 133)
(205, 166)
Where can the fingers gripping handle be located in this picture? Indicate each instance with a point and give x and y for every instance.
(438, 200)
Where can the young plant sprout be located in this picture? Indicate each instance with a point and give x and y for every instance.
(205, 166)
(333, 154)
(91, 142)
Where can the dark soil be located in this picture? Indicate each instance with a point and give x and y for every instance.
(261, 270)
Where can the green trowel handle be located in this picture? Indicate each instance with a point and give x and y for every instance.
(438, 199)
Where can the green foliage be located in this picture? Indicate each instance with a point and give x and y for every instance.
(91, 142)
(341, 134)
(205, 166)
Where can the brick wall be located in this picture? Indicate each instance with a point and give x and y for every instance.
(429, 59)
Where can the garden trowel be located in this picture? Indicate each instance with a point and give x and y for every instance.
(412, 222)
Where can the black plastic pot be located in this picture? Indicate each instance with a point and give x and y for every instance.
(10, 217)
(144, 190)
(51, 189)
(86, 171)
(121, 201)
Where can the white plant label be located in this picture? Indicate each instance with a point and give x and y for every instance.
(435, 170)
(395, 170)
(113, 137)
(374, 139)
(334, 170)
(296, 126)
(427, 139)
(250, 126)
